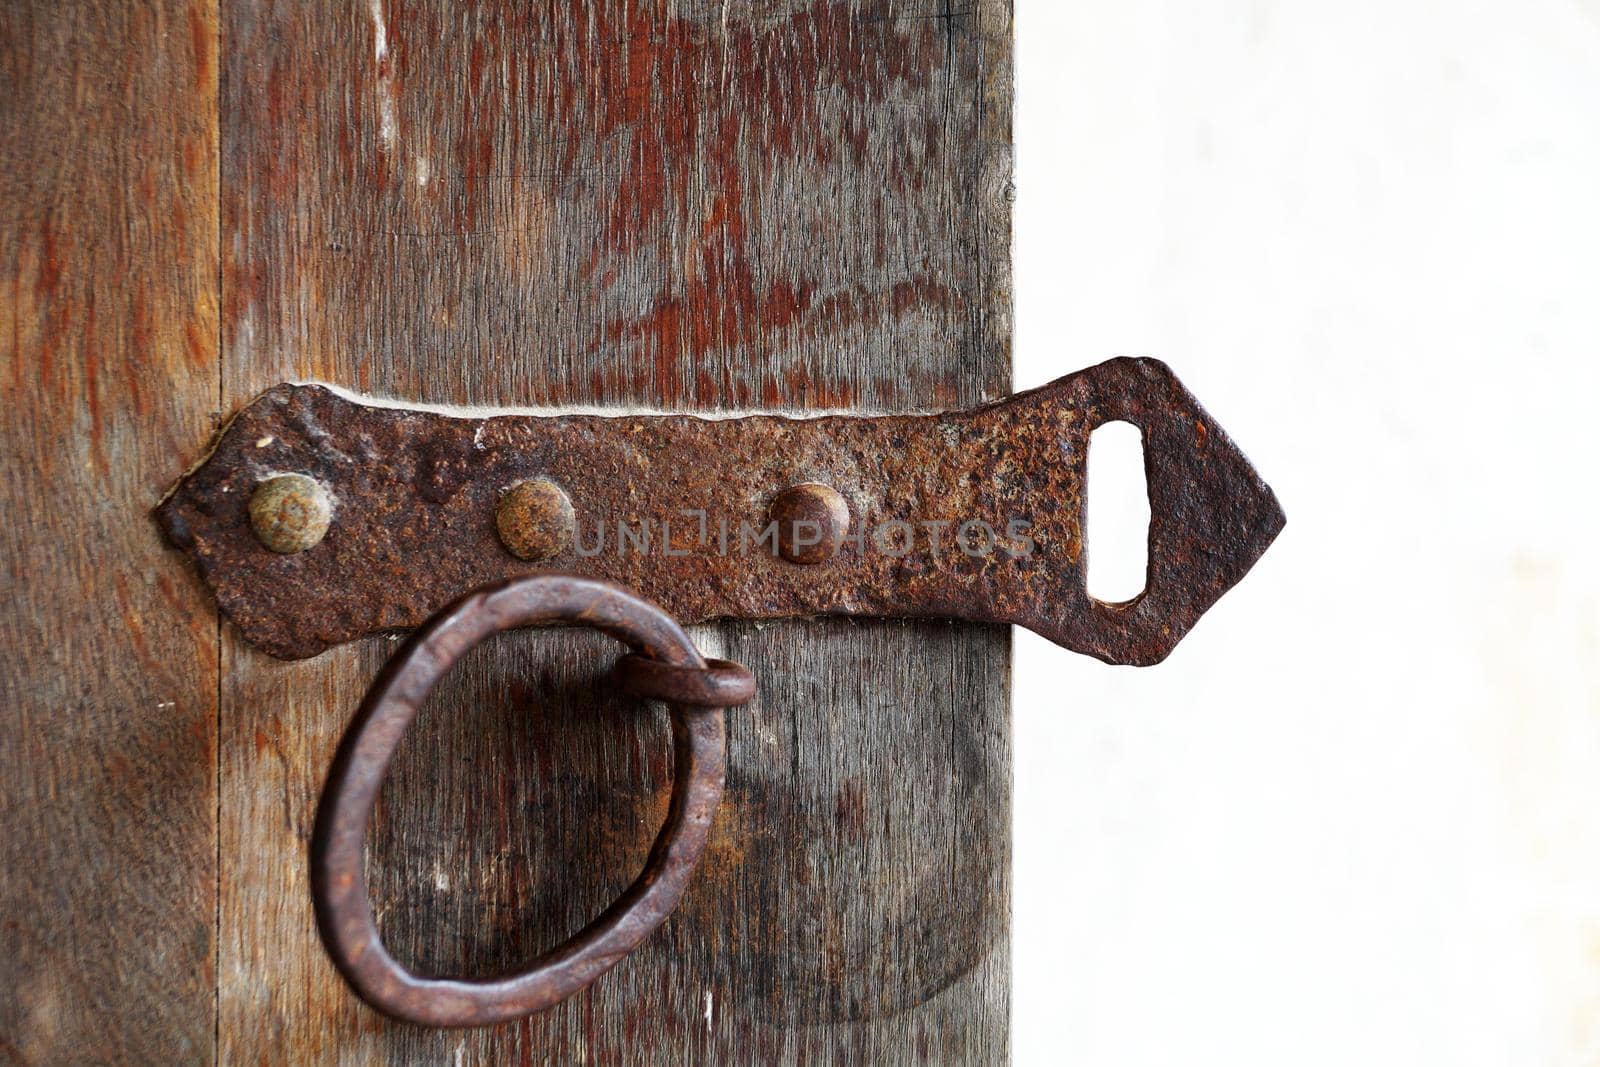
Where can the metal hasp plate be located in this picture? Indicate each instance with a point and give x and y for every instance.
(974, 515)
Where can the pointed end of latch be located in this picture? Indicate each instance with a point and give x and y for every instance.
(1211, 515)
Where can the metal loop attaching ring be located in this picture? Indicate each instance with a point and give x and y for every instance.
(719, 684)
(665, 667)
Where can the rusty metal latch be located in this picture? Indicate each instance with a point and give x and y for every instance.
(318, 519)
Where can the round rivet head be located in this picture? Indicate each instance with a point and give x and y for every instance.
(813, 520)
(290, 512)
(535, 519)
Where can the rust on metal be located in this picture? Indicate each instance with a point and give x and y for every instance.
(974, 515)
(338, 877)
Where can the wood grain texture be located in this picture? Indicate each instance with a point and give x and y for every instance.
(108, 685)
(696, 205)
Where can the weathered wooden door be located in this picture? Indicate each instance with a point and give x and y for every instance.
(681, 204)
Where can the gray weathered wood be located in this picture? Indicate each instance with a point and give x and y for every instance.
(108, 683)
(792, 203)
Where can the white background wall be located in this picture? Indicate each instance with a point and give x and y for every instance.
(1355, 818)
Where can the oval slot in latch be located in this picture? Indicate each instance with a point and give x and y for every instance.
(1117, 538)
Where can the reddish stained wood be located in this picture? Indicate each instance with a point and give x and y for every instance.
(774, 80)
(649, 141)
(108, 337)
(687, 204)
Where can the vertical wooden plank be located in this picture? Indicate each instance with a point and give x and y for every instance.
(108, 366)
(750, 203)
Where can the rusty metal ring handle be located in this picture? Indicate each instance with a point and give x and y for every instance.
(338, 880)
